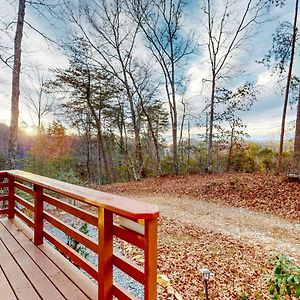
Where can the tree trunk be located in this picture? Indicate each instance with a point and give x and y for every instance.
(136, 129)
(181, 130)
(154, 138)
(211, 126)
(88, 152)
(137, 140)
(230, 149)
(175, 152)
(287, 89)
(174, 110)
(297, 140)
(102, 149)
(97, 119)
(126, 152)
(99, 170)
(123, 141)
(14, 121)
(109, 146)
(189, 146)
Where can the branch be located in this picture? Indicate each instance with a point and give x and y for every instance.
(43, 34)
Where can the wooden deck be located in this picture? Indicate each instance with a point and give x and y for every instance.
(31, 263)
(37, 272)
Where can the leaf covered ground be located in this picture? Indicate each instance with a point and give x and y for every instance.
(259, 192)
(184, 249)
(240, 268)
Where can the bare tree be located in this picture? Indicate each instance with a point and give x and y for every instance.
(294, 100)
(151, 106)
(161, 23)
(280, 59)
(288, 84)
(228, 28)
(14, 123)
(112, 36)
(38, 101)
(14, 120)
(296, 166)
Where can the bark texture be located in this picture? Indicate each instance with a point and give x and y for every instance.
(297, 140)
(14, 123)
(287, 89)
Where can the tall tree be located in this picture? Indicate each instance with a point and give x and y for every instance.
(152, 108)
(38, 101)
(228, 28)
(90, 90)
(161, 23)
(14, 121)
(233, 104)
(294, 100)
(296, 163)
(112, 36)
(280, 58)
(288, 83)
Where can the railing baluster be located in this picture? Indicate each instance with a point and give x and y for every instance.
(11, 197)
(105, 255)
(108, 205)
(151, 259)
(38, 214)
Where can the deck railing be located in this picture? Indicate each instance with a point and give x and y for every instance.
(28, 195)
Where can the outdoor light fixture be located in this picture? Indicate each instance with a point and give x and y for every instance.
(205, 278)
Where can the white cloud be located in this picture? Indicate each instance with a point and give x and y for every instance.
(263, 120)
(36, 53)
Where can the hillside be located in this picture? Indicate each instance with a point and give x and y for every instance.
(259, 192)
(229, 223)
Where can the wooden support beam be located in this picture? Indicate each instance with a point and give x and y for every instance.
(38, 215)
(105, 255)
(11, 197)
(151, 259)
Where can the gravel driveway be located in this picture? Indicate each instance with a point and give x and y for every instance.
(266, 231)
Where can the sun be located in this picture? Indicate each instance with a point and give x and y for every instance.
(30, 130)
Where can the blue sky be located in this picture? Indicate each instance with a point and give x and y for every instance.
(263, 121)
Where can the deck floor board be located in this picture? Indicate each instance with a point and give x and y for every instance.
(26, 272)
(20, 284)
(5, 288)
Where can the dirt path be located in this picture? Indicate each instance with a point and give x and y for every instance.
(265, 231)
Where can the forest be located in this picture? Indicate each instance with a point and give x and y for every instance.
(121, 110)
(192, 106)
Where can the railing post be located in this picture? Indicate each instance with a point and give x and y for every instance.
(11, 197)
(105, 255)
(151, 259)
(38, 214)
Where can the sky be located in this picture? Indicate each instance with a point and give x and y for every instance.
(264, 119)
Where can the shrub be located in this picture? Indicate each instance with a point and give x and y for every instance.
(285, 280)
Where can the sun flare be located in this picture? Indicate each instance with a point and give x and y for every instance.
(30, 130)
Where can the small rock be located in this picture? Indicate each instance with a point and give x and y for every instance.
(170, 290)
(163, 280)
(139, 259)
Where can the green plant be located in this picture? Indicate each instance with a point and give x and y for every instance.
(76, 245)
(285, 280)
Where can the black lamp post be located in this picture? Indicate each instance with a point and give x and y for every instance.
(205, 278)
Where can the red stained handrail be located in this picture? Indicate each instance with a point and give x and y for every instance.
(120, 205)
(108, 205)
